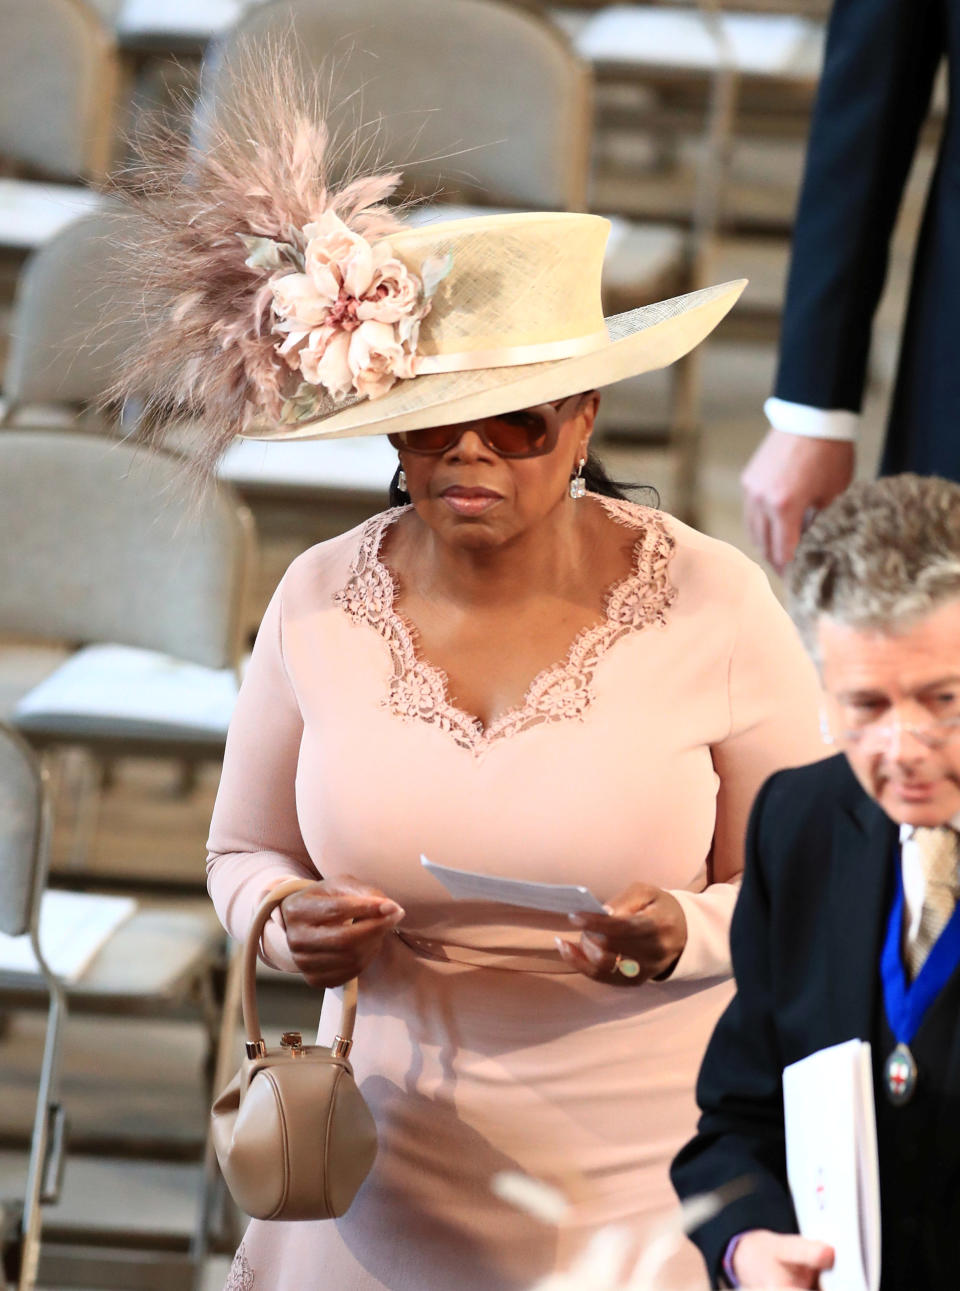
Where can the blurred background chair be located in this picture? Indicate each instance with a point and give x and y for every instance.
(164, 960)
(68, 327)
(657, 67)
(24, 844)
(519, 137)
(106, 550)
(60, 76)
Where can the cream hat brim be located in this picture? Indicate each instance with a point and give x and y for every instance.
(641, 340)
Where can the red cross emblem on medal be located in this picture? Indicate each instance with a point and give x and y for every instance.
(901, 1075)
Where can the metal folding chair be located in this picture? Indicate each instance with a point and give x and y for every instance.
(163, 961)
(24, 853)
(59, 72)
(105, 547)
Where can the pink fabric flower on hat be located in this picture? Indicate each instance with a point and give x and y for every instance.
(377, 359)
(297, 301)
(323, 361)
(351, 319)
(393, 294)
(337, 259)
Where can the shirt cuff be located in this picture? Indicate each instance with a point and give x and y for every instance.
(814, 423)
(274, 950)
(728, 1273)
(707, 950)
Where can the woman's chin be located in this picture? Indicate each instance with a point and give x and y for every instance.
(485, 529)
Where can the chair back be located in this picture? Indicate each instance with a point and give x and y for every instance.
(22, 851)
(70, 323)
(58, 69)
(479, 98)
(107, 541)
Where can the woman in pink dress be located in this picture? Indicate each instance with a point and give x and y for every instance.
(513, 671)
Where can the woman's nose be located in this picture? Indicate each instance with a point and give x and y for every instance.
(469, 446)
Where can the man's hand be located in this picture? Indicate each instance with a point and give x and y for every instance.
(788, 476)
(765, 1259)
(645, 923)
(335, 929)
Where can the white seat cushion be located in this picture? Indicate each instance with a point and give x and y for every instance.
(760, 44)
(200, 19)
(23, 665)
(156, 22)
(73, 927)
(151, 961)
(642, 262)
(31, 213)
(363, 465)
(120, 691)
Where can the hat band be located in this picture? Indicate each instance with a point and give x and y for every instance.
(509, 356)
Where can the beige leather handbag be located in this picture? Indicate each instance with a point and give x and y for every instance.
(294, 1138)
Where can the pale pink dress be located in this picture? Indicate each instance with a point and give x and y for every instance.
(478, 1051)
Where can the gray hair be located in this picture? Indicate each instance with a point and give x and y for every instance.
(882, 555)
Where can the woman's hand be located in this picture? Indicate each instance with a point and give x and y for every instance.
(337, 928)
(645, 924)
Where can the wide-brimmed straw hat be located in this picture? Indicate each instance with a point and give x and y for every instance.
(279, 304)
(515, 321)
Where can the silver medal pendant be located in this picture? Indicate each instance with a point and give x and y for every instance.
(900, 1076)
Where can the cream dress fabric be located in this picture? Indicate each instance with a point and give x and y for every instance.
(635, 759)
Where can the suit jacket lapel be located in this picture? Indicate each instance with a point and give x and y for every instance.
(863, 842)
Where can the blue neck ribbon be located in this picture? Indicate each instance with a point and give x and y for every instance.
(907, 1002)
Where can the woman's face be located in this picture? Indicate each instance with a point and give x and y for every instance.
(473, 498)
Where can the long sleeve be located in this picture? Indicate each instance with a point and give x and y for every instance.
(773, 723)
(812, 423)
(879, 66)
(740, 1135)
(255, 839)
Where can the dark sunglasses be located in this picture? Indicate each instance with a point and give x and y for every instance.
(532, 432)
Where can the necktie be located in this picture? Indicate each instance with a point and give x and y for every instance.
(938, 859)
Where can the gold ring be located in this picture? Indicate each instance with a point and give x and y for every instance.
(626, 967)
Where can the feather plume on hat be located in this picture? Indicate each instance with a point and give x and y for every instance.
(216, 231)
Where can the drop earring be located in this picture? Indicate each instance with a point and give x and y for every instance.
(578, 485)
(402, 480)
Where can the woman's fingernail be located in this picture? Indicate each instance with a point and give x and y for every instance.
(560, 944)
(390, 907)
(608, 909)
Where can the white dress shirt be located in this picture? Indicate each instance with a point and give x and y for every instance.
(914, 881)
(814, 423)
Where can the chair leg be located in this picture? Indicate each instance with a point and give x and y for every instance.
(220, 1072)
(89, 794)
(685, 435)
(42, 1174)
(187, 776)
(108, 774)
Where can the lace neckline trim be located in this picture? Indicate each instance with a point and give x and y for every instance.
(419, 691)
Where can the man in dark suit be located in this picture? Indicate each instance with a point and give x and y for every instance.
(849, 902)
(875, 89)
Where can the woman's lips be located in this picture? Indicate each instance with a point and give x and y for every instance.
(470, 502)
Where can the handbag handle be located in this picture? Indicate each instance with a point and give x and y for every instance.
(255, 1046)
